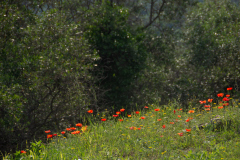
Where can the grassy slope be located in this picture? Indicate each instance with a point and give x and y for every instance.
(115, 140)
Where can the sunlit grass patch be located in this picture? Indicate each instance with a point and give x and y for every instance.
(152, 133)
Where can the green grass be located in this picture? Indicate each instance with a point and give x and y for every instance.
(114, 140)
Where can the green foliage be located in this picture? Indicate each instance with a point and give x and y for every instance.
(160, 81)
(45, 74)
(213, 33)
(213, 39)
(121, 51)
(37, 147)
(13, 19)
(203, 155)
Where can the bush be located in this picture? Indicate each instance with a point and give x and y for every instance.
(49, 84)
(121, 50)
(212, 36)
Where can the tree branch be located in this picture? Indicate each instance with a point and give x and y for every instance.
(158, 14)
(151, 11)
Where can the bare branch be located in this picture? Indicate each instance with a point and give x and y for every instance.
(158, 14)
(151, 11)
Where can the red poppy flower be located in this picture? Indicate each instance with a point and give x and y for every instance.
(139, 128)
(115, 115)
(54, 135)
(63, 132)
(120, 120)
(146, 107)
(68, 129)
(49, 136)
(220, 107)
(118, 112)
(129, 115)
(104, 119)
(180, 134)
(179, 116)
(73, 132)
(174, 111)
(73, 129)
(229, 89)
(79, 125)
(225, 104)
(188, 130)
(157, 109)
(77, 132)
(187, 120)
(159, 119)
(207, 106)
(137, 112)
(24, 152)
(142, 117)
(227, 95)
(225, 99)
(191, 111)
(220, 94)
(90, 111)
(161, 136)
(207, 109)
(48, 131)
(171, 122)
(133, 128)
(122, 110)
(180, 109)
(163, 126)
(210, 100)
(201, 102)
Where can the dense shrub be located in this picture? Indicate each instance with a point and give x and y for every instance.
(45, 71)
(212, 38)
(122, 53)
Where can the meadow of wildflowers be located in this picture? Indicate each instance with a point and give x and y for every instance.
(156, 132)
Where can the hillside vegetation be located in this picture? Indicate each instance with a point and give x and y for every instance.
(152, 133)
(60, 59)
